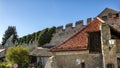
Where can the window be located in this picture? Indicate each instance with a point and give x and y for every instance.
(110, 65)
(82, 65)
(104, 18)
(94, 42)
(116, 15)
(110, 15)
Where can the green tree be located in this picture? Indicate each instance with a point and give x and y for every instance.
(17, 54)
(11, 30)
(45, 36)
(42, 36)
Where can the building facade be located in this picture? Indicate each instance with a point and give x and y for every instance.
(95, 46)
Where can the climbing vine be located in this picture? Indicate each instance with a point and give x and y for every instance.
(42, 37)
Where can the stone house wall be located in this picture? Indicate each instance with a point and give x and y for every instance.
(118, 45)
(108, 49)
(74, 59)
(111, 17)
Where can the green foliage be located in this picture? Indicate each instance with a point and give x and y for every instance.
(8, 65)
(5, 65)
(17, 54)
(42, 37)
(2, 65)
(29, 37)
(11, 30)
(45, 36)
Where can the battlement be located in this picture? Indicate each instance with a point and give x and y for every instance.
(79, 23)
(59, 29)
(89, 20)
(68, 27)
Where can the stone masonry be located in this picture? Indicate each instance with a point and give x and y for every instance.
(108, 49)
(74, 60)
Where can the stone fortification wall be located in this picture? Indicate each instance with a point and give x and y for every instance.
(63, 34)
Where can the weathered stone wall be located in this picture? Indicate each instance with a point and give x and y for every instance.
(111, 57)
(71, 60)
(118, 45)
(114, 21)
(2, 53)
(106, 11)
(51, 63)
(63, 34)
(111, 17)
(108, 49)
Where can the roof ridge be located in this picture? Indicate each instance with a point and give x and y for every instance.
(105, 10)
(111, 9)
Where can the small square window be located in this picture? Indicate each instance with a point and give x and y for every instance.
(116, 15)
(104, 18)
(110, 15)
(110, 65)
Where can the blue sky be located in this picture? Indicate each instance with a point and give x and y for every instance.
(33, 15)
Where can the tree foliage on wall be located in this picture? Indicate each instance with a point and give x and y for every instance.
(11, 30)
(41, 37)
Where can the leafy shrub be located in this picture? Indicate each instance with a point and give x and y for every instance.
(17, 54)
(8, 65)
(2, 65)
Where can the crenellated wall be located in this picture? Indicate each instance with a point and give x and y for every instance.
(69, 26)
(63, 34)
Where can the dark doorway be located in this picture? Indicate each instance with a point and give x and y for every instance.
(82, 65)
(118, 62)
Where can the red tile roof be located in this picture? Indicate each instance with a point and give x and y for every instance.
(79, 41)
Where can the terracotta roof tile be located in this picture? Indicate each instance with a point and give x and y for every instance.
(79, 41)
